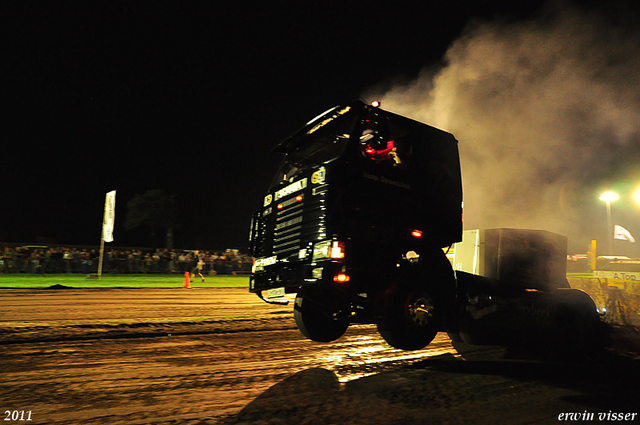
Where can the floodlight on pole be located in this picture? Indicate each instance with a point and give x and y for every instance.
(609, 197)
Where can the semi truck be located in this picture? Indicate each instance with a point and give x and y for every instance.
(356, 224)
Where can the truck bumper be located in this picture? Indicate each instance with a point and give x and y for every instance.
(293, 277)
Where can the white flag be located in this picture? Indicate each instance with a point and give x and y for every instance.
(109, 216)
(622, 234)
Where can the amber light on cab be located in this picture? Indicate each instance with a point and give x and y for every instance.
(337, 250)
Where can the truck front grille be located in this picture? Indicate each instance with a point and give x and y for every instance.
(291, 226)
(286, 233)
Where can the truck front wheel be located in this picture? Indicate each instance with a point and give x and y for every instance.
(316, 323)
(409, 321)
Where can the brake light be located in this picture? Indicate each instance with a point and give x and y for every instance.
(341, 278)
(416, 233)
(336, 251)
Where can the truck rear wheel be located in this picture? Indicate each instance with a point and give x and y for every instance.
(410, 320)
(315, 323)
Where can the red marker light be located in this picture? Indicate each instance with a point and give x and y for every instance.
(280, 206)
(416, 233)
(299, 198)
(341, 278)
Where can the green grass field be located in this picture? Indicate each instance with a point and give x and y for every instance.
(18, 280)
(118, 281)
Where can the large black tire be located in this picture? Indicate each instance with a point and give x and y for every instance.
(316, 324)
(579, 327)
(419, 303)
(410, 319)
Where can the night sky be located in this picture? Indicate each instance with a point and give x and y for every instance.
(188, 97)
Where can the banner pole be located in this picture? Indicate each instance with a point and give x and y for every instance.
(104, 221)
(101, 256)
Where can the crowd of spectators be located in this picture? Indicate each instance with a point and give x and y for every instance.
(41, 259)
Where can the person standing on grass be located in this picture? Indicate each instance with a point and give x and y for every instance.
(197, 265)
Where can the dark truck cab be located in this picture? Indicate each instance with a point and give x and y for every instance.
(362, 205)
(356, 222)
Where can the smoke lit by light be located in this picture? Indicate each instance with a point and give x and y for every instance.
(547, 113)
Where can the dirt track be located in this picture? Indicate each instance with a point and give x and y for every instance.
(208, 356)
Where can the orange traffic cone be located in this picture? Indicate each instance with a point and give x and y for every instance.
(187, 281)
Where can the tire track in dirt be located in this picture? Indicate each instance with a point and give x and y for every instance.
(158, 380)
(104, 357)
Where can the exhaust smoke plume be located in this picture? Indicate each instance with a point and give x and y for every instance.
(547, 113)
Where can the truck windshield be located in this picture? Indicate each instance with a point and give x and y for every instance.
(323, 142)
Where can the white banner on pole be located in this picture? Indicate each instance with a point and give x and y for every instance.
(623, 234)
(109, 216)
